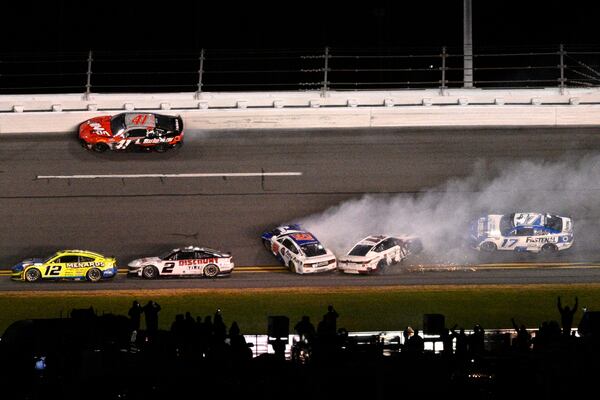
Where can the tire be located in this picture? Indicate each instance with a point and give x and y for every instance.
(381, 266)
(549, 249)
(292, 267)
(94, 275)
(211, 271)
(161, 148)
(100, 147)
(488, 247)
(267, 245)
(150, 272)
(32, 275)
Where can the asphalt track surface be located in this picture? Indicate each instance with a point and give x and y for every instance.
(139, 216)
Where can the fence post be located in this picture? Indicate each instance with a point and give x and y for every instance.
(200, 71)
(325, 70)
(561, 81)
(88, 84)
(443, 86)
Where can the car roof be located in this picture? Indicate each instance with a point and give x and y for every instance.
(372, 240)
(302, 238)
(140, 120)
(78, 252)
(196, 248)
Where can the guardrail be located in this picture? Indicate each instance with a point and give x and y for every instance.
(320, 70)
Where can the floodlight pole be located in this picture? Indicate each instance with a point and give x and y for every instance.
(467, 44)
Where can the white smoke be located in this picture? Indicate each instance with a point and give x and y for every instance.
(441, 216)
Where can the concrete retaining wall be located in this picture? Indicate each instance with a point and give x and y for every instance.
(281, 110)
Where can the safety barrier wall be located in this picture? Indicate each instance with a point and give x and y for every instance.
(314, 109)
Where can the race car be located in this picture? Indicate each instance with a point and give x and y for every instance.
(132, 130)
(298, 250)
(374, 254)
(183, 262)
(66, 264)
(522, 232)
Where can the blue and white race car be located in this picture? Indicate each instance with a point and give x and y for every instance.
(529, 231)
(299, 250)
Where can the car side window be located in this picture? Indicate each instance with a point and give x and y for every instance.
(135, 133)
(203, 254)
(290, 246)
(68, 259)
(524, 232)
(85, 259)
(172, 257)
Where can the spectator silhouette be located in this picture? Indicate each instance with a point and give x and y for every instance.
(330, 321)
(415, 342)
(566, 316)
(523, 337)
(305, 329)
(477, 340)
(462, 344)
(135, 314)
(239, 347)
(151, 310)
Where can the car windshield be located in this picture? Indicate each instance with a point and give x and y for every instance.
(360, 250)
(47, 259)
(165, 122)
(165, 255)
(117, 124)
(554, 222)
(313, 249)
(506, 222)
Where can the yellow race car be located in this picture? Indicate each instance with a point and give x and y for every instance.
(66, 264)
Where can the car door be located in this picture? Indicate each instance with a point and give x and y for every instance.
(170, 265)
(187, 263)
(130, 137)
(60, 265)
(288, 251)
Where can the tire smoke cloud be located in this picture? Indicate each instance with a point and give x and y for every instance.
(441, 216)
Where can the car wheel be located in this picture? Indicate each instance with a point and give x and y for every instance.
(150, 272)
(267, 245)
(488, 247)
(549, 249)
(94, 275)
(161, 148)
(100, 147)
(32, 275)
(292, 267)
(211, 271)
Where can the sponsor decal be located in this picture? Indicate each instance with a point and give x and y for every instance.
(552, 239)
(198, 261)
(302, 236)
(98, 129)
(86, 264)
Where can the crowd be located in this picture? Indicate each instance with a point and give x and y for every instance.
(115, 357)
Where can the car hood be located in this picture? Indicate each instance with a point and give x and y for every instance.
(143, 261)
(99, 126)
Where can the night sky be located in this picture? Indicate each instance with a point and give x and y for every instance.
(61, 25)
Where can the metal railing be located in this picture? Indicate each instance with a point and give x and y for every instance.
(301, 69)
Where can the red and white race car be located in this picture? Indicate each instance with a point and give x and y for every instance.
(131, 130)
(182, 262)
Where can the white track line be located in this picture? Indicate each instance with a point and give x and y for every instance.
(198, 175)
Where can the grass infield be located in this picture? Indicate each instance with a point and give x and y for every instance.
(361, 309)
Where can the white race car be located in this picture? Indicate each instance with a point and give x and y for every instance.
(375, 253)
(299, 250)
(528, 231)
(183, 262)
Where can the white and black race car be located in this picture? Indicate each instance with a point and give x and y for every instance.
(299, 250)
(522, 232)
(375, 253)
(183, 262)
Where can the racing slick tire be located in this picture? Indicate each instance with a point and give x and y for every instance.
(93, 275)
(267, 245)
(211, 271)
(549, 249)
(488, 247)
(292, 267)
(100, 147)
(381, 266)
(161, 148)
(32, 275)
(150, 272)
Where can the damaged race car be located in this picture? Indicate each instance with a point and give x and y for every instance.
(299, 250)
(130, 131)
(375, 253)
(522, 232)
